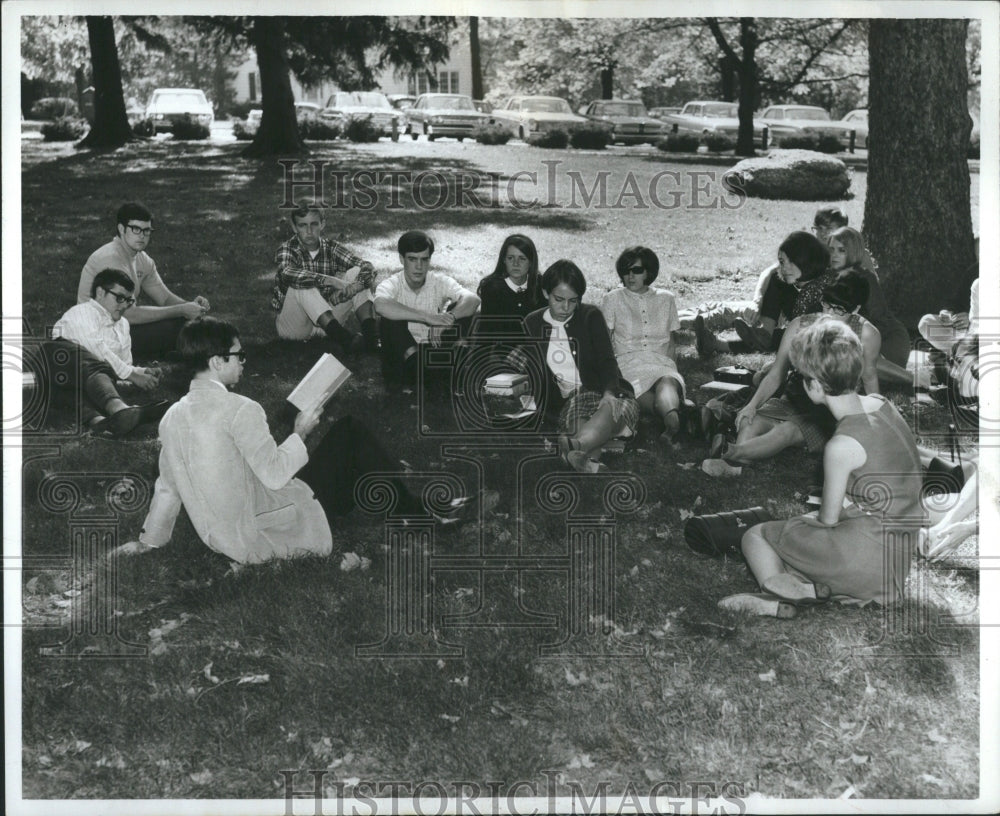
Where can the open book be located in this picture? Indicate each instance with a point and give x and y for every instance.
(319, 384)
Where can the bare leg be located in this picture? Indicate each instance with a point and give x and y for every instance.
(769, 570)
(889, 372)
(597, 430)
(762, 439)
(666, 402)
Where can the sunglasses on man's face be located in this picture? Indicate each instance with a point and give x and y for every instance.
(635, 270)
(241, 355)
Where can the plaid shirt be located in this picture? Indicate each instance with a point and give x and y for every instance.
(299, 270)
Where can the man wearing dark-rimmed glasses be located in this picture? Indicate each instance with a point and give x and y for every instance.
(159, 314)
(91, 353)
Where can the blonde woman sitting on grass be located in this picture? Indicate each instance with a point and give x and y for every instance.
(872, 476)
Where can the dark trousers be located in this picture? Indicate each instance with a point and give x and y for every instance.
(397, 368)
(779, 298)
(348, 452)
(153, 341)
(71, 372)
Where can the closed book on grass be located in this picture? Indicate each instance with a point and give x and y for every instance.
(320, 383)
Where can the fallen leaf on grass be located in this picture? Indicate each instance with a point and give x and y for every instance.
(687, 465)
(575, 679)
(450, 718)
(934, 736)
(253, 679)
(461, 681)
(860, 759)
(201, 777)
(581, 761)
(768, 677)
(114, 762)
(207, 671)
(926, 777)
(352, 561)
(645, 561)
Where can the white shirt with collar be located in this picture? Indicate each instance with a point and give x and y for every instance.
(90, 325)
(433, 296)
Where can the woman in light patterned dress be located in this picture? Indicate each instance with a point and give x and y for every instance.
(643, 323)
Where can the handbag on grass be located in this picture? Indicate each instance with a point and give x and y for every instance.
(720, 534)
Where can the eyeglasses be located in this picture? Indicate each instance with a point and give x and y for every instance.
(136, 230)
(635, 270)
(120, 298)
(241, 355)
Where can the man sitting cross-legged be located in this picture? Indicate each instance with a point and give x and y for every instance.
(419, 306)
(154, 327)
(320, 284)
(92, 350)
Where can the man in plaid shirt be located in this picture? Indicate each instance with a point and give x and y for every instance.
(320, 284)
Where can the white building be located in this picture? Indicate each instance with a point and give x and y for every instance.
(452, 76)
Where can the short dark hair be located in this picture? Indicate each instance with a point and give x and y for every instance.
(564, 272)
(848, 291)
(133, 210)
(202, 339)
(415, 241)
(830, 216)
(808, 253)
(107, 278)
(305, 207)
(645, 256)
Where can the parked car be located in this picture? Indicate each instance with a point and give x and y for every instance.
(343, 106)
(525, 115)
(306, 110)
(857, 120)
(437, 114)
(709, 118)
(483, 105)
(169, 105)
(803, 120)
(252, 122)
(628, 120)
(401, 102)
(663, 112)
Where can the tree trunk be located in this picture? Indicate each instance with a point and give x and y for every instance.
(279, 131)
(111, 128)
(918, 224)
(748, 85)
(477, 64)
(727, 84)
(608, 82)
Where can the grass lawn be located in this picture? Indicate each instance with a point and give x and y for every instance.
(871, 703)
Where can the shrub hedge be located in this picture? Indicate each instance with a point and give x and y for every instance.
(590, 136)
(188, 129)
(54, 107)
(679, 143)
(720, 143)
(64, 129)
(550, 138)
(320, 130)
(491, 135)
(361, 129)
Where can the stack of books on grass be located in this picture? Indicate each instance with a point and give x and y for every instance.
(503, 393)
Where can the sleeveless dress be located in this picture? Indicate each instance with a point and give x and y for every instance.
(866, 555)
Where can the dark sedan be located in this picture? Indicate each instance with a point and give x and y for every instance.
(438, 114)
(628, 120)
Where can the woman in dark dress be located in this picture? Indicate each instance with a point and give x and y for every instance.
(512, 290)
(581, 382)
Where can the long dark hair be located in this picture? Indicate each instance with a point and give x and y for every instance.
(526, 246)
(808, 253)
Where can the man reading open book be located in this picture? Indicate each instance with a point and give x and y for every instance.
(219, 460)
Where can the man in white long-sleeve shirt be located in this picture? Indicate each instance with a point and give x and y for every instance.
(100, 326)
(91, 351)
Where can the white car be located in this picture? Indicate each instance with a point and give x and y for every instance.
(343, 106)
(802, 120)
(525, 115)
(169, 105)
